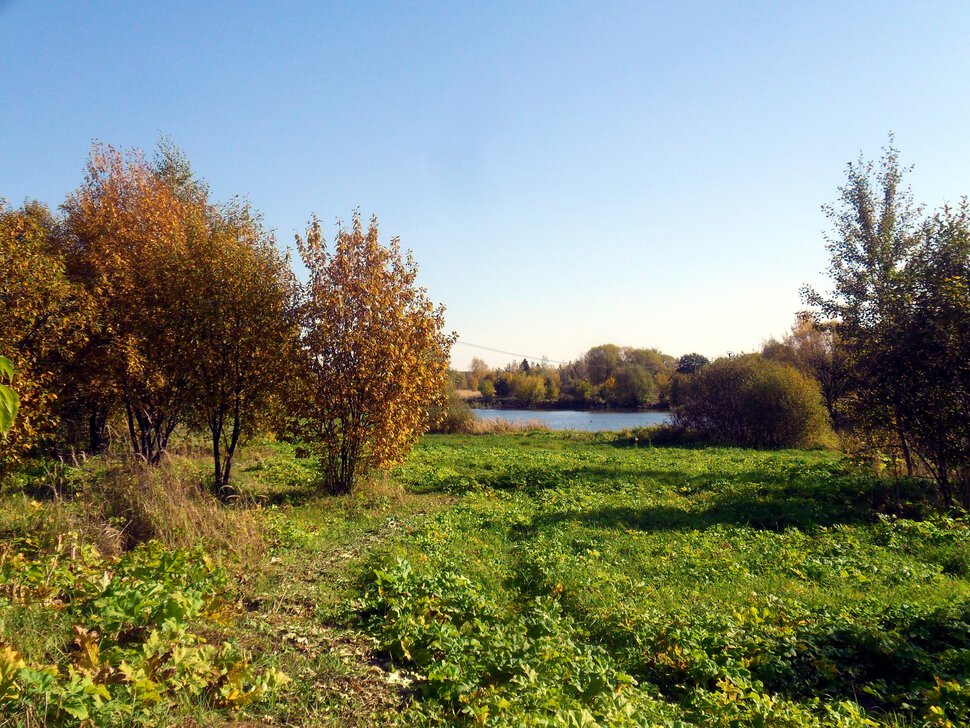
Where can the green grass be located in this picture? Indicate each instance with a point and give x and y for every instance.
(727, 585)
(556, 579)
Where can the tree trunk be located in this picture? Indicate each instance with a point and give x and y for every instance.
(222, 462)
(97, 429)
(130, 415)
(216, 459)
(226, 489)
(907, 455)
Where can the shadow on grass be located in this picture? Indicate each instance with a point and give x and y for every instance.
(756, 511)
(758, 499)
(296, 496)
(890, 660)
(903, 651)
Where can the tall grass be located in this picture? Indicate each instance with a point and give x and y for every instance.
(168, 503)
(117, 502)
(499, 426)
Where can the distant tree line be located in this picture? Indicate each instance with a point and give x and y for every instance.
(144, 307)
(605, 376)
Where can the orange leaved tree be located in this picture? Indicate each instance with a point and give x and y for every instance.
(376, 353)
(128, 235)
(196, 305)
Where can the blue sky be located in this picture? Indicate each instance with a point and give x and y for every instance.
(567, 174)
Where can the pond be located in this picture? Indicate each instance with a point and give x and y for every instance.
(587, 421)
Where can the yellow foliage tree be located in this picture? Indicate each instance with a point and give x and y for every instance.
(376, 354)
(41, 325)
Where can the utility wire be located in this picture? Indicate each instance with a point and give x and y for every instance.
(511, 353)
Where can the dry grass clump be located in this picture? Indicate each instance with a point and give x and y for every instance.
(499, 426)
(115, 504)
(135, 502)
(379, 485)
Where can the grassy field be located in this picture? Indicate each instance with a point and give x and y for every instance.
(542, 579)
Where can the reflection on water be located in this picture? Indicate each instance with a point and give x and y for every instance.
(576, 420)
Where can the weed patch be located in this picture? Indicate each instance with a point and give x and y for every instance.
(130, 638)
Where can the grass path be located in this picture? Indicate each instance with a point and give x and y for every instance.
(297, 609)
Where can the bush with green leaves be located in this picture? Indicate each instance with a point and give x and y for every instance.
(753, 402)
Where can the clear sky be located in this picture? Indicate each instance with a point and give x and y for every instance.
(567, 174)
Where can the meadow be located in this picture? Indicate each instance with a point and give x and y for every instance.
(547, 579)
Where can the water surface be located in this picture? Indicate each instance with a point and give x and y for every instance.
(587, 421)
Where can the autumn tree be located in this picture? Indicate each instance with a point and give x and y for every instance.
(527, 387)
(195, 314)
(43, 323)
(376, 354)
(239, 297)
(477, 373)
(239, 326)
(129, 233)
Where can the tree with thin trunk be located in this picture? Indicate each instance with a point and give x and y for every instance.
(241, 294)
(375, 353)
(900, 307)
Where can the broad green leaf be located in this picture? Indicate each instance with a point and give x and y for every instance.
(9, 404)
(6, 368)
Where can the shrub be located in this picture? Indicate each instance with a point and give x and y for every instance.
(376, 353)
(454, 417)
(753, 402)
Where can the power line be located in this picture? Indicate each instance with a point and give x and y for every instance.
(511, 353)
